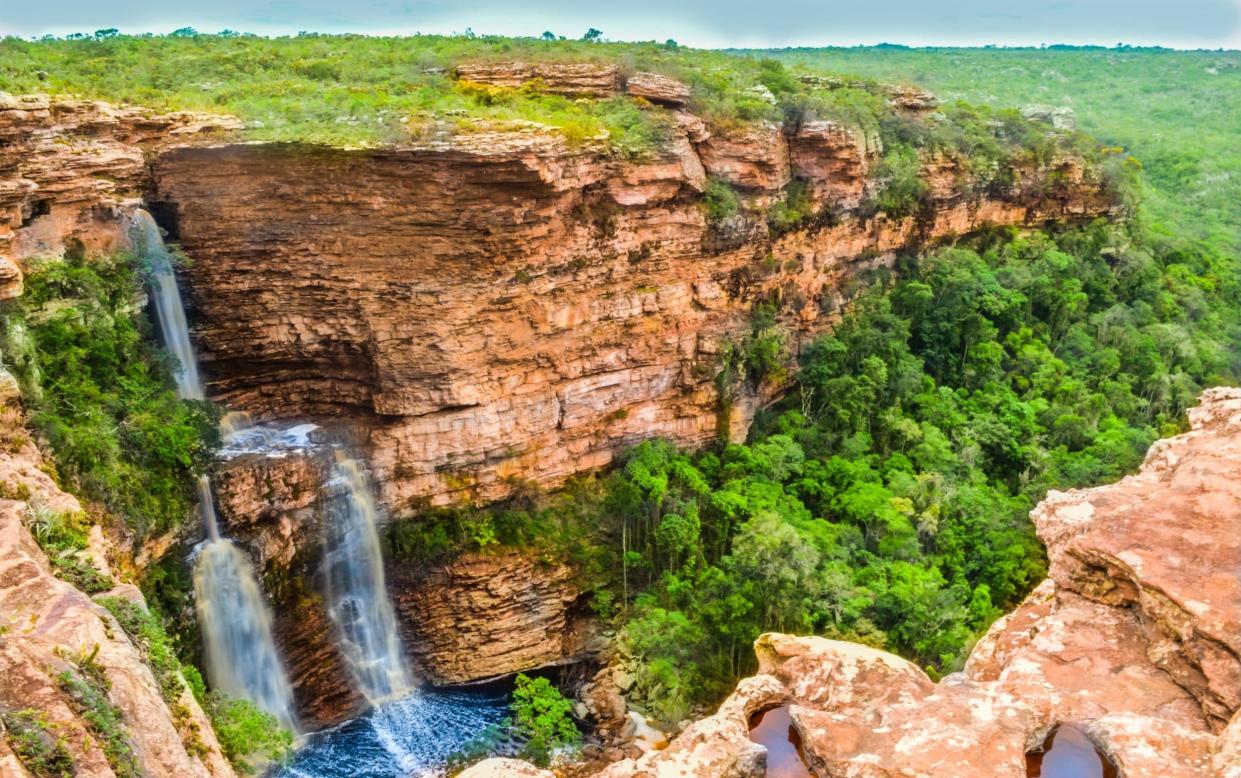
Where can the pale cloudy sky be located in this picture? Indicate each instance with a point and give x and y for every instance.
(1175, 23)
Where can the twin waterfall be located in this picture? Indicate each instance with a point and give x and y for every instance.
(241, 655)
(357, 601)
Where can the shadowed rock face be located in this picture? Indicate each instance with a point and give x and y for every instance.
(481, 616)
(500, 304)
(1134, 639)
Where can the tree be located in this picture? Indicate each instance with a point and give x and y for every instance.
(110, 32)
(542, 715)
(548, 35)
(593, 35)
(184, 32)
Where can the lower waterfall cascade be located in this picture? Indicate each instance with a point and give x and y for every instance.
(357, 599)
(240, 651)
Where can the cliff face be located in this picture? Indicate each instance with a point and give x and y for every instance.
(482, 616)
(47, 626)
(66, 166)
(503, 305)
(1134, 638)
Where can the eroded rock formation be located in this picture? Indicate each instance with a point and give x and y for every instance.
(67, 165)
(502, 304)
(1134, 638)
(46, 625)
(484, 615)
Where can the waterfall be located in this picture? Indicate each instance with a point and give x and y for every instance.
(168, 306)
(357, 598)
(235, 423)
(241, 654)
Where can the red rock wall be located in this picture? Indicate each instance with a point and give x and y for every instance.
(501, 305)
(66, 168)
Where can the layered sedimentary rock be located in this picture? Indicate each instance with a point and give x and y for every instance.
(502, 304)
(46, 625)
(269, 504)
(471, 618)
(66, 166)
(482, 616)
(1134, 639)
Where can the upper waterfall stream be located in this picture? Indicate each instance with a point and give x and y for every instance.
(240, 652)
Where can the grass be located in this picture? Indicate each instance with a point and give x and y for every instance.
(352, 90)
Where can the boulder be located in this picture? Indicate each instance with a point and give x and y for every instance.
(658, 89)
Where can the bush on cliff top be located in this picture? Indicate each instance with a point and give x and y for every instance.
(353, 90)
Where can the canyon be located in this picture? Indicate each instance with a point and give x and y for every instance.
(478, 310)
(1134, 638)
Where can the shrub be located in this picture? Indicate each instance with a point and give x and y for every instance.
(63, 537)
(102, 395)
(249, 737)
(903, 189)
(542, 717)
(719, 200)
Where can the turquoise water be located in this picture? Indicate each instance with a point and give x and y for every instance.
(415, 736)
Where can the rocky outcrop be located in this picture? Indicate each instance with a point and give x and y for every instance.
(571, 79)
(504, 304)
(1134, 639)
(482, 616)
(658, 89)
(268, 503)
(576, 79)
(47, 627)
(67, 165)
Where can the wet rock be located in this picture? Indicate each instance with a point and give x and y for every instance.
(482, 616)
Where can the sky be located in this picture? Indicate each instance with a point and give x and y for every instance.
(718, 23)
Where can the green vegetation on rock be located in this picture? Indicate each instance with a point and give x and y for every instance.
(63, 537)
(87, 687)
(542, 717)
(251, 738)
(101, 394)
(38, 747)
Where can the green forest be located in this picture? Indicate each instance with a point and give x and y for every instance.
(886, 498)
